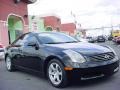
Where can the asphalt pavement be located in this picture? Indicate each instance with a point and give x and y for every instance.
(22, 80)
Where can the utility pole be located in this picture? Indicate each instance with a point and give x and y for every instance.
(78, 25)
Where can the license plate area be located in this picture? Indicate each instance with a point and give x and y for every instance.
(92, 77)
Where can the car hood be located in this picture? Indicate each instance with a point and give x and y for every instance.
(83, 48)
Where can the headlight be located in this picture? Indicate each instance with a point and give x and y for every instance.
(74, 56)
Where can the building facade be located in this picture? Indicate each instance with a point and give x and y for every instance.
(13, 19)
(36, 23)
(68, 28)
(52, 23)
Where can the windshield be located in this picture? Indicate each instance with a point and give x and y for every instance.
(55, 38)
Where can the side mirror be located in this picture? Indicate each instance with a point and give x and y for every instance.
(33, 44)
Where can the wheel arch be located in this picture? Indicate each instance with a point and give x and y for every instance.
(48, 59)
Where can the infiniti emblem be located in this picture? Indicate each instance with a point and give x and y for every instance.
(107, 56)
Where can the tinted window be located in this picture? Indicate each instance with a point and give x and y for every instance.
(25, 40)
(53, 38)
(29, 38)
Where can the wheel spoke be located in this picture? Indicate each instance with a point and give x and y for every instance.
(57, 66)
(60, 73)
(52, 67)
(8, 63)
(58, 78)
(51, 72)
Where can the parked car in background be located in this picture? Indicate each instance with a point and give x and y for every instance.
(116, 40)
(91, 39)
(88, 37)
(1, 51)
(101, 39)
(110, 38)
(60, 57)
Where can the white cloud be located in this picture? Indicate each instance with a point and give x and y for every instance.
(90, 13)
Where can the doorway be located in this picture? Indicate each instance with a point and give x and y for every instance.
(15, 27)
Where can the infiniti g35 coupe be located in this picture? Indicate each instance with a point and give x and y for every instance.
(60, 57)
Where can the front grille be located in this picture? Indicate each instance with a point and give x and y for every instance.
(103, 57)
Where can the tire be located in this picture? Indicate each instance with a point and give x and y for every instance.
(10, 67)
(57, 76)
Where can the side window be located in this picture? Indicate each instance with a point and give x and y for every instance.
(24, 40)
(29, 38)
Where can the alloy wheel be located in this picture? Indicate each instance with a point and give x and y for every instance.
(8, 63)
(55, 73)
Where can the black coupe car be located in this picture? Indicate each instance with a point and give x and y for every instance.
(60, 57)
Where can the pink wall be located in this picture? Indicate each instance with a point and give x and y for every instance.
(68, 27)
(8, 7)
(3, 34)
(52, 21)
(26, 29)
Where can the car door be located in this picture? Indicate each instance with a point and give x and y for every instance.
(15, 51)
(31, 54)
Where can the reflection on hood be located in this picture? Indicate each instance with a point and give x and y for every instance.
(81, 47)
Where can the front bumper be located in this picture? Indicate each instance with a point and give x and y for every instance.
(94, 72)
